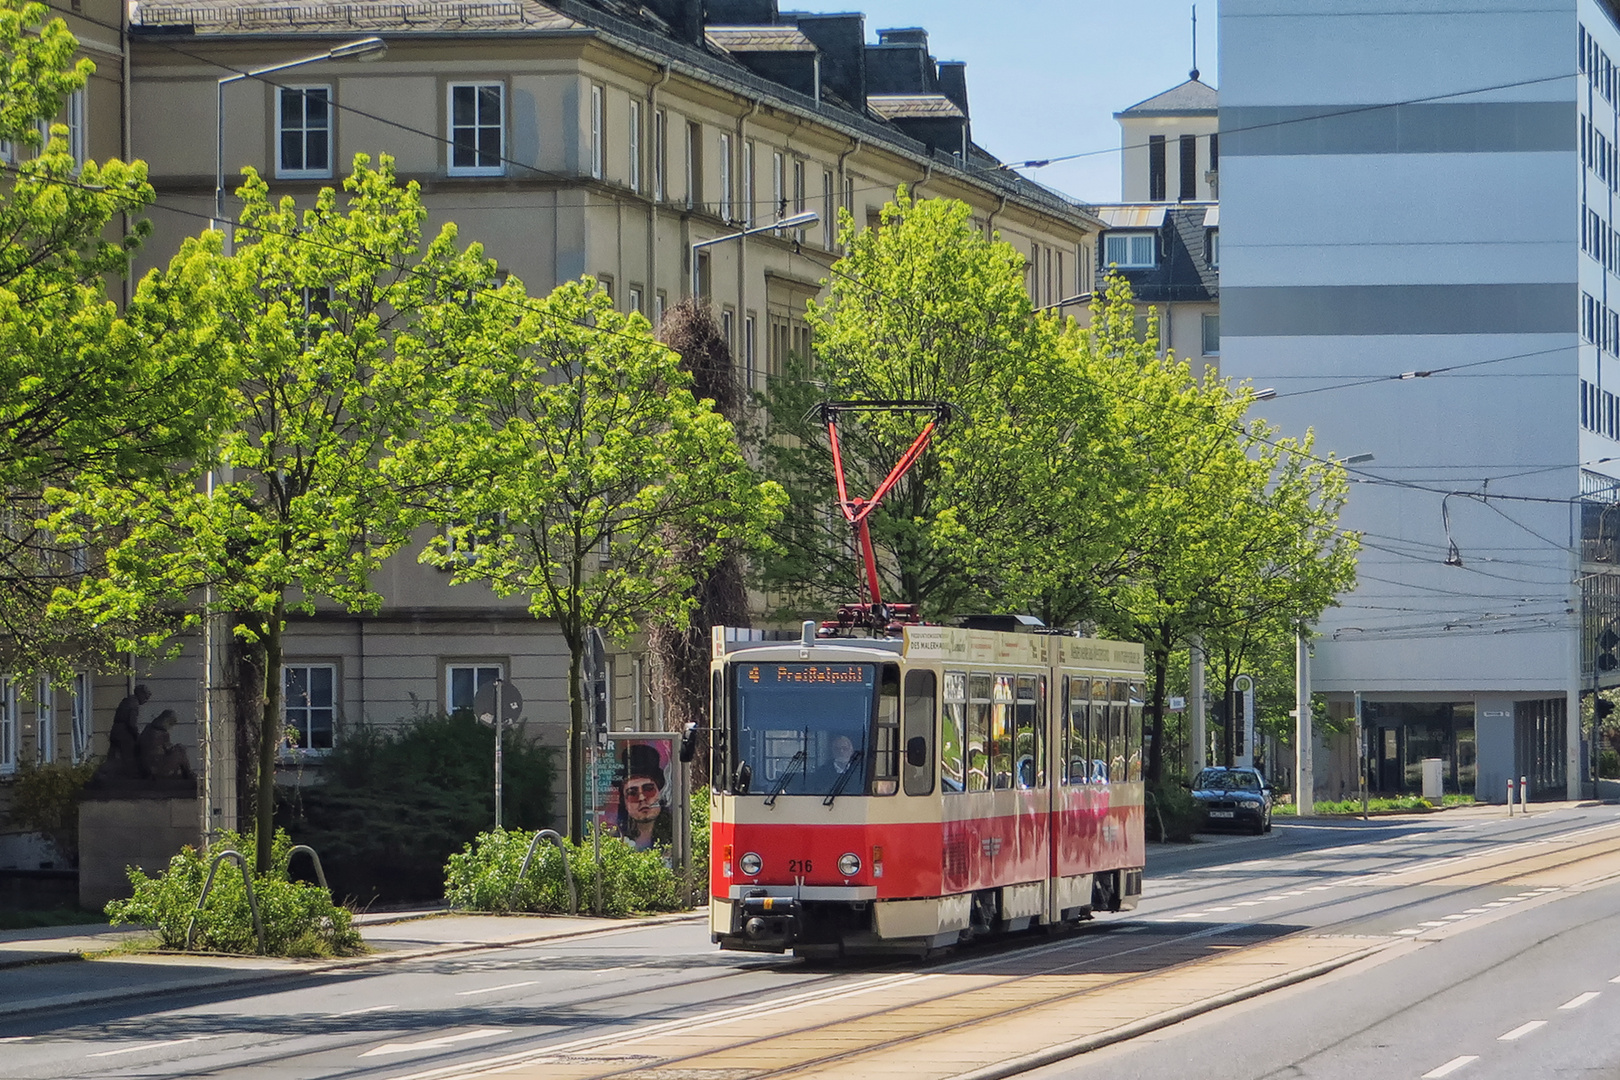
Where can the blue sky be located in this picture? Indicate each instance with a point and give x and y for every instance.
(1045, 77)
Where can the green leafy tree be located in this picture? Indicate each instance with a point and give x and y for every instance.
(604, 491)
(343, 339)
(81, 388)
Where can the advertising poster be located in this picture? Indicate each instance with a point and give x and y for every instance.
(637, 804)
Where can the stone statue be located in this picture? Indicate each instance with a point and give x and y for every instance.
(125, 738)
(159, 758)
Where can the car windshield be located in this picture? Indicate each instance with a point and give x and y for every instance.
(1226, 780)
(803, 729)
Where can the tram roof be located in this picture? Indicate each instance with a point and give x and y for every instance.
(949, 644)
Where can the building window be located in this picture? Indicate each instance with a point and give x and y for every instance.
(463, 681)
(44, 721)
(632, 297)
(725, 177)
(1189, 167)
(1061, 294)
(778, 191)
(748, 183)
(304, 132)
(694, 178)
(750, 364)
(660, 153)
(596, 132)
(1212, 334)
(477, 129)
(829, 219)
(798, 186)
(83, 716)
(660, 301)
(1212, 247)
(309, 704)
(728, 327)
(1156, 168)
(78, 135)
(9, 722)
(1128, 250)
(633, 143)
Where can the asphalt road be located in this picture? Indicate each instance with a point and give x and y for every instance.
(1487, 957)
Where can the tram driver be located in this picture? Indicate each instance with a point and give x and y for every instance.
(842, 758)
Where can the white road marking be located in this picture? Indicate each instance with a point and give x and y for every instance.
(1547, 889)
(1409, 932)
(1431, 924)
(1193, 915)
(1319, 888)
(435, 1044)
(1616, 979)
(1450, 1067)
(369, 1009)
(1474, 911)
(1521, 1031)
(151, 1046)
(495, 989)
(1130, 930)
(1213, 909)
(1247, 903)
(1580, 999)
(1453, 918)
(1500, 903)
(16, 1038)
(1273, 896)
(1297, 892)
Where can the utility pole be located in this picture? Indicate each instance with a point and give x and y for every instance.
(1198, 756)
(1304, 776)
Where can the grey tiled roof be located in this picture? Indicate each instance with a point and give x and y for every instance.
(257, 16)
(913, 106)
(1191, 98)
(759, 39)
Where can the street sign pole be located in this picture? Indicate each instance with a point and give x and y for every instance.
(1361, 756)
(499, 718)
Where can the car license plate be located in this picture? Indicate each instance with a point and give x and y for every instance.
(1220, 813)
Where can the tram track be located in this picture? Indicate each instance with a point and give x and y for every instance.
(895, 1026)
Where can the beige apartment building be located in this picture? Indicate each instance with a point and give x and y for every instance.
(571, 137)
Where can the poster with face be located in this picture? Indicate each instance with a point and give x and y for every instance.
(637, 807)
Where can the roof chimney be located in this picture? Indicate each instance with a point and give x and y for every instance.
(953, 83)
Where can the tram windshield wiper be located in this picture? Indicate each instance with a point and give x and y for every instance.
(856, 762)
(797, 760)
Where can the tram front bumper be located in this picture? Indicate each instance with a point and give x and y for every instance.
(765, 923)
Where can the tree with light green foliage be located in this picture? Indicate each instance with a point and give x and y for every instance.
(82, 389)
(344, 340)
(595, 484)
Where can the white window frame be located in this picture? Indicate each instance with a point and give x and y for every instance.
(632, 298)
(691, 150)
(660, 154)
(748, 183)
(44, 720)
(725, 176)
(452, 169)
(597, 94)
(829, 219)
(83, 712)
(451, 667)
(282, 171)
(1210, 318)
(633, 144)
(1133, 243)
(1212, 246)
(10, 721)
(778, 194)
(78, 132)
(308, 705)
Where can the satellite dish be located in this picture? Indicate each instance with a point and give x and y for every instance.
(511, 704)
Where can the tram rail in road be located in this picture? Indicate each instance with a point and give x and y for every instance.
(1009, 1010)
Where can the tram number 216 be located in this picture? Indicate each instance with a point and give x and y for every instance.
(799, 866)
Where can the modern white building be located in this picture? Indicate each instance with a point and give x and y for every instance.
(1421, 257)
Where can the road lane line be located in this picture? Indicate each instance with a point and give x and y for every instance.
(1580, 999)
(436, 1043)
(1247, 903)
(495, 989)
(1453, 918)
(150, 1046)
(1521, 1031)
(1227, 908)
(1616, 979)
(368, 1009)
(1409, 932)
(1431, 925)
(1450, 1067)
(1474, 911)
(1500, 903)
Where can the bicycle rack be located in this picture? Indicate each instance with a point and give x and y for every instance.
(247, 882)
(568, 871)
(320, 875)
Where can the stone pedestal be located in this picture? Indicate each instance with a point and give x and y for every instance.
(115, 833)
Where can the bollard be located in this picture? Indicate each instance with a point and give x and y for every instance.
(1510, 796)
(1524, 795)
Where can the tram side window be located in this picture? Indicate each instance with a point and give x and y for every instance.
(1026, 742)
(1133, 766)
(919, 725)
(886, 754)
(1077, 732)
(1119, 739)
(1041, 729)
(978, 740)
(1100, 727)
(719, 761)
(1001, 733)
(953, 733)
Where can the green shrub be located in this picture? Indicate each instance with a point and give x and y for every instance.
(390, 806)
(299, 919)
(483, 876)
(1609, 764)
(45, 799)
(1175, 806)
(697, 871)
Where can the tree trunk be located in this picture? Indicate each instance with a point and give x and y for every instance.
(247, 663)
(1161, 665)
(576, 742)
(269, 740)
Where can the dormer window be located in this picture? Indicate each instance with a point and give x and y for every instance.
(1212, 247)
(1130, 251)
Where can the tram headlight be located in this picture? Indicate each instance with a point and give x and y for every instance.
(849, 865)
(751, 864)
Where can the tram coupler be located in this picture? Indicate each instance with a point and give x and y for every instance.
(769, 921)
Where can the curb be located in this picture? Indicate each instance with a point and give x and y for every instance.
(69, 1001)
(54, 958)
(1063, 1051)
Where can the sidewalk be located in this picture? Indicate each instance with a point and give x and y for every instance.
(42, 973)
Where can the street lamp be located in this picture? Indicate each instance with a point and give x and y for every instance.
(797, 221)
(367, 48)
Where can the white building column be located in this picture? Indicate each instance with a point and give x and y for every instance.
(1304, 776)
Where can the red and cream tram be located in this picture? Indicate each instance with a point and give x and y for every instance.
(912, 792)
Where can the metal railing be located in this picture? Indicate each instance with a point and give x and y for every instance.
(320, 875)
(568, 870)
(247, 883)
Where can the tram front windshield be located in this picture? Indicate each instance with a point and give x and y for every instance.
(802, 729)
